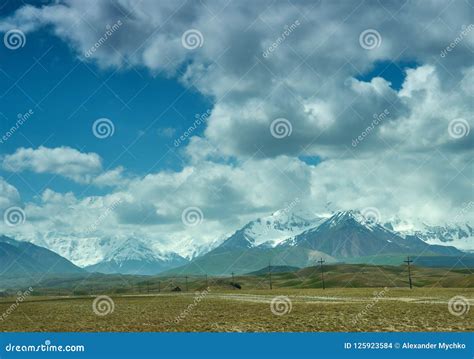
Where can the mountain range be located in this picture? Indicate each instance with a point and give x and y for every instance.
(135, 257)
(24, 259)
(346, 235)
(285, 238)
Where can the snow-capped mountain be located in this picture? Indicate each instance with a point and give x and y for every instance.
(459, 235)
(135, 249)
(336, 221)
(92, 250)
(134, 256)
(349, 234)
(335, 236)
(272, 230)
(292, 240)
(193, 248)
(257, 244)
(110, 254)
(79, 250)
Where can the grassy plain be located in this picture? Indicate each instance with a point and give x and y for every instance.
(218, 310)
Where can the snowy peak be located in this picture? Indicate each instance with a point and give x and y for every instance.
(459, 235)
(134, 256)
(131, 249)
(193, 248)
(352, 217)
(271, 230)
(350, 234)
(451, 232)
(134, 249)
(129, 252)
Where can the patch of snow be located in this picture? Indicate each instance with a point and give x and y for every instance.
(280, 226)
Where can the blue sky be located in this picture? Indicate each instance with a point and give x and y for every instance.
(392, 71)
(327, 103)
(67, 95)
(149, 110)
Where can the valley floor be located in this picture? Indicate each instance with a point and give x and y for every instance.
(292, 310)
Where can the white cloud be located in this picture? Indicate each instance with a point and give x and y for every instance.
(83, 168)
(407, 164)
(309, 79)
(9, 195)
(114, 177)
(63, 161)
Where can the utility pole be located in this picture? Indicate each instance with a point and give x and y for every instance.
(159, 286)
(321, 261)
(207, 282)
(408, 261)
(186, 283)
(233, 278)
(270, 274)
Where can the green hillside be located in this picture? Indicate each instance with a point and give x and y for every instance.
(223, 262)
(335, 275)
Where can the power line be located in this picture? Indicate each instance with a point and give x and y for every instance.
(321, 261)
(408, 261)
(270, 274)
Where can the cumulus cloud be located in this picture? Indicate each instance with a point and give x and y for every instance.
(113, 177)
(64, 161)
(405, 161)
(309, 79)
(9, 195)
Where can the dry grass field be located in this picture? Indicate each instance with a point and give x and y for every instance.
(305, 310)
